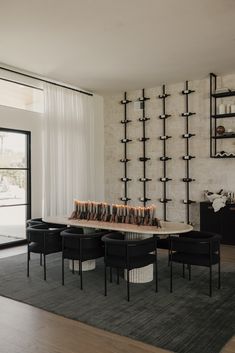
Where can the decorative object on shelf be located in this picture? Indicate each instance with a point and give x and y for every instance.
(219, 111)
(187, 135)
(220, 130)
(164, 137)
(218, 199)
(144, 139)
(98, 211)
(125, 140)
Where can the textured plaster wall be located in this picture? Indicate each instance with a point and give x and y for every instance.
(211, 174)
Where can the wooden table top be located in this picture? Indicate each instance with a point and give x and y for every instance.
(166, 227)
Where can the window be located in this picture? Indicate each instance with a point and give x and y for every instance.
(21, 96)
(15, 184)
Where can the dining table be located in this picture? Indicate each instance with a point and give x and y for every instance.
(131, 231)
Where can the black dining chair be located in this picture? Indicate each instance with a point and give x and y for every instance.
(81, 247)
(196, 249)
(127, 255)
(44, 240)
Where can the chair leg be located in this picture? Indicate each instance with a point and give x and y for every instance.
(105, 280)
(210, 290)
(28, 259)
(183, 270)
(44, 261)
(156, 277)
(189, 273)
(40, 259)
(80, 271)
(111, 275)
(219, 275)
(62, 271)
(171, 277)
(128, 286)
(117, 275)
(73, 267)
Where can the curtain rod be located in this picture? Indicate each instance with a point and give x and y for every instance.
(47, 81)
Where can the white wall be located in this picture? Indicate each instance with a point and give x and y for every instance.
(24, 120)
(209, 173)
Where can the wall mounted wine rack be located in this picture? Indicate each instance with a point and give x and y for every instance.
(144, 159)
(187, 157)
(125, 160)
(164, 137)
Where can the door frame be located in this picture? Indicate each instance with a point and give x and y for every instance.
(28, 203)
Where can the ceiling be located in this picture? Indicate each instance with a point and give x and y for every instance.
(108, 46)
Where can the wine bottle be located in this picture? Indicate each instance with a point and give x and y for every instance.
(125, 199)
(188, 202)
(187, 91)
(144, 199)
(141, 99)
(126, 121)
(164, 158)
(165, 200)
(164, 116)
(144, 179)
(125, 140)
(164, 180)
(125, 179)
(188, 135)
(125, 160)
(165, 137)
(187, 114)
(142, 139)
(144, 119)
(188, 157)
(188, 180)
(165, 95)
(125, 101)
(144, 159)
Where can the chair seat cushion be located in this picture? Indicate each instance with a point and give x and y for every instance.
(86, 255)
(191, 259)
(135, 261)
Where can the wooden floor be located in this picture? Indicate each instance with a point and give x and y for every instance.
(26, 329)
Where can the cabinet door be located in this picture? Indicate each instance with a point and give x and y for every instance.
(209, 219)
(228, 224)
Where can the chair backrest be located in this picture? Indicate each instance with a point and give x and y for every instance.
(117, 245)
(196, 242)
(33, 222)
(44, 235)
(74, 239)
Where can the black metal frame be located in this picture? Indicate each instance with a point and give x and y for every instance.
(125, 159)
(42, 80)
(214, 116)
(143, 139)
(28, 176)
(187, 135)
(164, 137)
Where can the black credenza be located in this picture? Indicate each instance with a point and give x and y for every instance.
(221, 222)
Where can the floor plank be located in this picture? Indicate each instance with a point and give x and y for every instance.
(30, 330)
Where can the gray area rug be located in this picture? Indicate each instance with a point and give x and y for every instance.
(186, 321)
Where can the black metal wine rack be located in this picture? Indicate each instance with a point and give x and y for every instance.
(144, 180)
(125, 158)
(164, 137)
(187, 157)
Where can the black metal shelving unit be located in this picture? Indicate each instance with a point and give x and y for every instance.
(125, 142)
(214, 116)
(144, 180)
(187, 157)
(164, 137)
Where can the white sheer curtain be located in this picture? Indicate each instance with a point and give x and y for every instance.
(68, 150)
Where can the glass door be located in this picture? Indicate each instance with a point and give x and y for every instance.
(15, 185)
